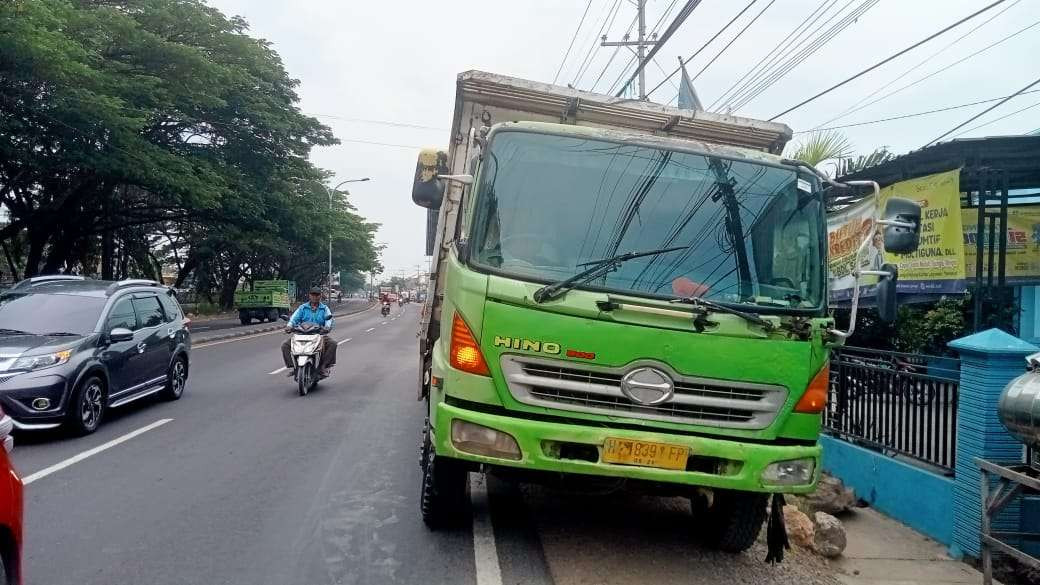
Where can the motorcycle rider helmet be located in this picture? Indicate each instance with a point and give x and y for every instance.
(315, 290)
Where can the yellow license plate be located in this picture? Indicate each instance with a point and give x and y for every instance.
(645, 453)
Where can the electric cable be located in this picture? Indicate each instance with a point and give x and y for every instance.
(886, 60)
(573, 38)
(980, 114)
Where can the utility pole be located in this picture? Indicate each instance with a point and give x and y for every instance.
(641, 43)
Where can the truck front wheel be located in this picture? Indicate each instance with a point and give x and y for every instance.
(445, 484)
(733, 520)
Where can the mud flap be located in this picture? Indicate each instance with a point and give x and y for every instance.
(776, 531)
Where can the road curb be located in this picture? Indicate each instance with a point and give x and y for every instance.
(267, 328)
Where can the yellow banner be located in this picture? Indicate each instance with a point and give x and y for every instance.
(941, 253)
(1023, 243)
(938, 264)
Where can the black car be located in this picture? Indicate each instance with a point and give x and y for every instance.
(72, 347)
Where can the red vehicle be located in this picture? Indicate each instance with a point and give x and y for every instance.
(10, 510)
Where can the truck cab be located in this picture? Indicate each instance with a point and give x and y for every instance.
(614, 303)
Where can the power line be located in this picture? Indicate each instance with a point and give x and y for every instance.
(704, 46)
(934, 73)
(994, 120)
(914, 115)
(774, 50)
(573, 38)
(380, 122)
(807, 52)
(886, 60)
(681, 17)
(733, 40)
(585, 62)
(380, 143)
(903, 75)
(613, 56)
(980, 114)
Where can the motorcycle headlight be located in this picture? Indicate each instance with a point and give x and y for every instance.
(36, 362)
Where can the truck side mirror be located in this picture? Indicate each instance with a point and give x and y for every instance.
(427, 190)
(902, 221)
(886, 293)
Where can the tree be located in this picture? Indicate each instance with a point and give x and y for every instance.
(142, 134)
(820, 147)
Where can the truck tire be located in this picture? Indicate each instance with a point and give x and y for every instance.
(733, 521)
(272, 315)
(243, 317)
(444, 490)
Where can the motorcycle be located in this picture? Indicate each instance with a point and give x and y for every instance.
(306, 346)
(386, 309)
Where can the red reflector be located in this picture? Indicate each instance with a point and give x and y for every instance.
(585, 355)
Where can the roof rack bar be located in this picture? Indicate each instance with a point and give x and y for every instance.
(112, 288)
(42, 279)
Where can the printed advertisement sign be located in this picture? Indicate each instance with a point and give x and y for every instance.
(938, 264)
(1022, 264)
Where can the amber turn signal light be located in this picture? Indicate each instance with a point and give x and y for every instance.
(465, 353)
(815, 397)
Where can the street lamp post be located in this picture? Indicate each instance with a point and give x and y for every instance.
(331, 195)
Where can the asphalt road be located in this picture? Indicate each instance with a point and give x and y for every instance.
(244, 481)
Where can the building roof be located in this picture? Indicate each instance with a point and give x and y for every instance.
(1019, 155)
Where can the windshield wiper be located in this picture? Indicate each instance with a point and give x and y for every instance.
(597, 268)
(4, 331)
(720, 308)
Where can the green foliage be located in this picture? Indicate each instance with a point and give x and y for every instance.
(142, 134)
(927, 329)
(849, 165)
(820, 147)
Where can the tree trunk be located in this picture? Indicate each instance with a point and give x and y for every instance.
(37, 241)
(10, 261)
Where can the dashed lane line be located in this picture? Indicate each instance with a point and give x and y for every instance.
(485, 553)
(344, 341)
(91, 452)
(370, 329)
(278, 371)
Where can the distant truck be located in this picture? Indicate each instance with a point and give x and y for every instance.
(269, 300)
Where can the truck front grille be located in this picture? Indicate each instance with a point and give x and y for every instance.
(594, 389)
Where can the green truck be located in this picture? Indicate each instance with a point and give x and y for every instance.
(625, 292)
(268, 301)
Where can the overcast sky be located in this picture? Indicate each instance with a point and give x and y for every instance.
(397, 61)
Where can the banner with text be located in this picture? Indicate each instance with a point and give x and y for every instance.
(1022, 256)
(938, 264)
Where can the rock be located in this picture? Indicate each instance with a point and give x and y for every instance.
(799, 527)
(829, 535)
(831, 496)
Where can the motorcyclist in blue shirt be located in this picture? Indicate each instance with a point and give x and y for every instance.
(318, 313)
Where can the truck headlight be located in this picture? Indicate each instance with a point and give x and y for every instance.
(35, 362)
(480, 440)
(791, 472)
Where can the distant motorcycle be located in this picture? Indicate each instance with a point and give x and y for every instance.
(386, 309)
(306, 346)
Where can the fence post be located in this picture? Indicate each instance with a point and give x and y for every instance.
(989, 360)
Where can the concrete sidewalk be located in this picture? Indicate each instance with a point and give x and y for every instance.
(882, 551)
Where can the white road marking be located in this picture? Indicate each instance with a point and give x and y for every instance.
(278, 371)
(370, 329)
(383, 323)
(485, 553)
(203, 344)
(91, 452)
(344, 341)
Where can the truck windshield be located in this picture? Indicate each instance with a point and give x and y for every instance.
(547, 204)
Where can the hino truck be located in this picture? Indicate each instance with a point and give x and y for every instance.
(623, 292)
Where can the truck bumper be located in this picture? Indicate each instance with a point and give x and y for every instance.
(578, 449)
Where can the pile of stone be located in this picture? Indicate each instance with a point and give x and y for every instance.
(811, 520)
